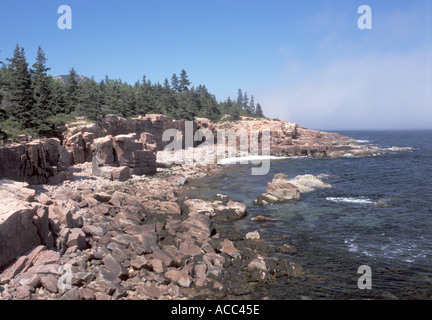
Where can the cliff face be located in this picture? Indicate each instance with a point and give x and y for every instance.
(35, 162)
(47, 161)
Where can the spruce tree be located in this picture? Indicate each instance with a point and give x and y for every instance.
(72, 91)
(184, 81)
(41, 94)
(252, 107)
(175, 85)
(111, 98)
(58, 97)
(240, 98)
(89, 104)
(167, 86)
(259, 112)
(235, 112)
(20, 93)
(245, 106)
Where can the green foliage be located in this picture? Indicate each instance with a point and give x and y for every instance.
(72, 91)
(61, 119)
(42, 107)
(11, 129)
(259, 112)
(88, 100)
(19, 91)
(31, 101)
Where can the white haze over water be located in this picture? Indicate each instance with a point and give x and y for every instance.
(375, 91)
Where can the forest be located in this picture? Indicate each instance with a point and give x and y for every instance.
(36, 103)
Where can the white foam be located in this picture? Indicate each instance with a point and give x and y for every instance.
(399, 149)
(363, 141)
(249, 158)
(348, 155)
(361, 200)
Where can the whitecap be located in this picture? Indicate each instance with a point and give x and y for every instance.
(399, 149)
(352, 247)
(361, 200)
(363, 141)
(249, 158)
(348, 155)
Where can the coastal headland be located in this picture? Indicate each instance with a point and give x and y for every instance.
(98, 213)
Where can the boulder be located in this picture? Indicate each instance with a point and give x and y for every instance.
(21, 228)
(279, 190)
(119, 157)
(180, 277)
(308, 183)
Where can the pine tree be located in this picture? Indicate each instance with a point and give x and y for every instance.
(175, 85)
(235, 112)
(41, 94)
(127, 100)
(209, 106)
(58, 97)
(184, 82)
(252, 106)
(167, 86)
(72, 91)
(245, 106)
(89, 104)
(20, 93)
(259, 112)
(111, 97)
(240, 98)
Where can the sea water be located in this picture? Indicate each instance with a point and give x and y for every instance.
(378, 213)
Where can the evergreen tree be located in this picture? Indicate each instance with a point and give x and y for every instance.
(58, 97)
(245, 106)
(185, 109)
(184, 81)
(252, 107)
(259, 112)
(127, 100)
(175, 85)
(166, 85)
(111, 97)
(41, 94)
(141, 98)
(31, 99)
(208, 104)
(235, 112)
(3, 81)
(240, 98)
(89, 104)
(20, 93)
(72, 91)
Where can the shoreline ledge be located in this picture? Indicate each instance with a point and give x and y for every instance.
(70, 233)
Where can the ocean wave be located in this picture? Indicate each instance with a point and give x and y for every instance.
(361, 200)
(348, 155)
(363, 141)
(249, 158)
(399, 149)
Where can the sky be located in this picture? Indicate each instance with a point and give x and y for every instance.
(305, 61)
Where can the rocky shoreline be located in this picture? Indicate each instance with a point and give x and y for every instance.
(136, 239)
(99, 231)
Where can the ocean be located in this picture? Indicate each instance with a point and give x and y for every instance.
(378, 214)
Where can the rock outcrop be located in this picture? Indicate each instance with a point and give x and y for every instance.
(23, 224)
(119, 157)
(47, 161)
(279, 190)
(282, 188)
(128, 243)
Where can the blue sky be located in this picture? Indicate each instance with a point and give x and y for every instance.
(305, 61)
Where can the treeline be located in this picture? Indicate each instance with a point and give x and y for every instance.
(34, 102)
